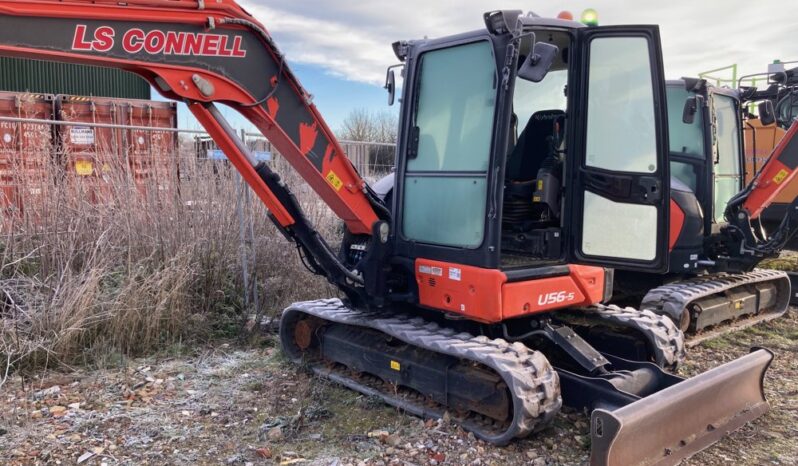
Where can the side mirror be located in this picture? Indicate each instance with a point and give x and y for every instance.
(390, 85)
(538, 63)
(690, 109)
(767, 114)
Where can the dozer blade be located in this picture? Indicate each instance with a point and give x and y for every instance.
(682, 419)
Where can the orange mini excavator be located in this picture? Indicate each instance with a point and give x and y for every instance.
(460, 282)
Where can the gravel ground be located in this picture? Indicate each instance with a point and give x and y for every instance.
(230, 405)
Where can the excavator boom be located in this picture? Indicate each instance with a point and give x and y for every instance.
(200, 53)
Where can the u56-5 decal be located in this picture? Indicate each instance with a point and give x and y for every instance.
(157, 42)
(556, 297)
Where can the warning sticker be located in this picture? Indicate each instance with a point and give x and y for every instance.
(780, 176)
(396, 366)
(455, 274)
(84, 167)
(81, 135)
(333, 179)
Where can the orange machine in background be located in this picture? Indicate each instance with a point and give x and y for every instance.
(760, 140)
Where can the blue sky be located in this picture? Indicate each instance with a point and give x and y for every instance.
(339, 50)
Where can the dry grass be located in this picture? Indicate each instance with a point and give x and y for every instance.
(95, 266)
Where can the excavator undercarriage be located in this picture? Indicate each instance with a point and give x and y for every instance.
(707, 306)
(502, 390)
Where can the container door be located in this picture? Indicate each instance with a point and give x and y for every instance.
(620, 195)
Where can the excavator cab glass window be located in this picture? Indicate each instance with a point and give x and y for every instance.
(445, 190)
(620, 137)
(530, 98)
(617, 191)
(727, 172)
(685, 138)
(687, 154)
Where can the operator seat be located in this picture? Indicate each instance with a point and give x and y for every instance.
(535, 145)
(532, 182)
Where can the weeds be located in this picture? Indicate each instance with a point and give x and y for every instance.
(121, 264)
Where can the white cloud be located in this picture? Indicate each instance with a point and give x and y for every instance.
(351, 39)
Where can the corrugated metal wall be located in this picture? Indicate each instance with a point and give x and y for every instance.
(20, 75)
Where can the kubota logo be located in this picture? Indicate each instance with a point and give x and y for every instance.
(555, 297)
(158, 42)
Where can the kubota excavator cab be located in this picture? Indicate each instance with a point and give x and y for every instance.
(526, 158)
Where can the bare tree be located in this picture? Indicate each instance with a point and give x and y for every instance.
(366, 126)
(387, 125)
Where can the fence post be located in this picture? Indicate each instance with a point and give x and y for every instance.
(240, 189)
(251, 240)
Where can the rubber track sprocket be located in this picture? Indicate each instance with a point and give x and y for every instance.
(664, 339)
(533, 384)
(673, 299)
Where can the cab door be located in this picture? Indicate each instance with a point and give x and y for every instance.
(619, 198)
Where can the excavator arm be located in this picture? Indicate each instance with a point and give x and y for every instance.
(206, 53)
(744, 244)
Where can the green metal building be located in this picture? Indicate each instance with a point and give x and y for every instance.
(22, 75)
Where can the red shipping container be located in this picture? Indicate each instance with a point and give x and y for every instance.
(92, 156)
(152, 155)
(25, 154)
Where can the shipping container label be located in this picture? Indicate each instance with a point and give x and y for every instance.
(84, 167)
(81, 135)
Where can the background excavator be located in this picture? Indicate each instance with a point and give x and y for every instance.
(768, 113)
(777, 108)
(716, 206)
(461, 294)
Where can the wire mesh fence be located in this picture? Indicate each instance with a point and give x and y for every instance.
(143, 240)
(102, 172)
